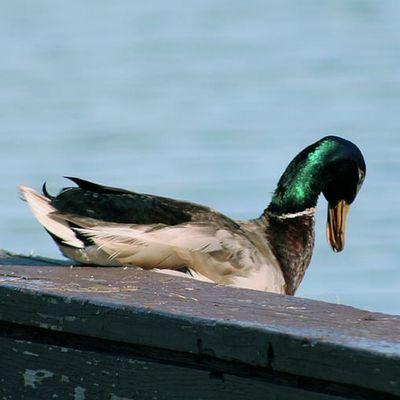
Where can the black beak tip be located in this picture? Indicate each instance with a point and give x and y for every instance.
(337, 249)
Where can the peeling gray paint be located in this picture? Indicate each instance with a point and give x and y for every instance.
(79, 393)
(49, 326)
(133, 361)
(33, 377)
(29, 353)
(115, 397)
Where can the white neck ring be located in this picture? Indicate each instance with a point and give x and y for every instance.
(304, 213)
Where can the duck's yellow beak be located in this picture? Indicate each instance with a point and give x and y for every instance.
(336, 225)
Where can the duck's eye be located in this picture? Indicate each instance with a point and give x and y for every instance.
(361, 176)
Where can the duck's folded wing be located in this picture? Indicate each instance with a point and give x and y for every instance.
(210, 249)
(211, 253)
(153, 246)
(79, 217)
(90, 240)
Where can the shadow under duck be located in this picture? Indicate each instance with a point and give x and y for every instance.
(95, 224)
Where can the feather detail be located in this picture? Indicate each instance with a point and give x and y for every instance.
(190, 274)
(153, 246)
(42, 209)
(45, 192)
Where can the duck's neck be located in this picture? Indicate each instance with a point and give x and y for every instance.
(290, 215)
(292, 242)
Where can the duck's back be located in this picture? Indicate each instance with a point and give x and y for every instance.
(122, 206)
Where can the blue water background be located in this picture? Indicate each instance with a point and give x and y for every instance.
(207, 101)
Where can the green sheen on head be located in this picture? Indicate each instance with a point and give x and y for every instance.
(332, 165)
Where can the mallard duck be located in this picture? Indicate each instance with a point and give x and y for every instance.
(95, 224)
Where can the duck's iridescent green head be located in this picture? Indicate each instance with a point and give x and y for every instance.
(333, 166)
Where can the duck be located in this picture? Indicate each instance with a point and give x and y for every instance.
(107, 226)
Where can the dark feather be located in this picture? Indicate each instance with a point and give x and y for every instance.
(96, 188)
(292, 241)
(57, 239)
(123, 206)
(46, 193)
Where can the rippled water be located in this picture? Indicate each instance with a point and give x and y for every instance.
(207, 101)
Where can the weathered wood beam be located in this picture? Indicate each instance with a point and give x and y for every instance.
(168, 337)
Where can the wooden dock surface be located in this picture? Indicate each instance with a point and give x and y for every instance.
(69, 332)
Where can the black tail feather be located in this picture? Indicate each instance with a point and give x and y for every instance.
(46, 193)
(94, 187)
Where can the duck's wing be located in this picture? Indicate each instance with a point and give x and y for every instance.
(120, 216)
(149, 246)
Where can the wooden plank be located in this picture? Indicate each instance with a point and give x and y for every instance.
(39, 370)
(331, 348)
